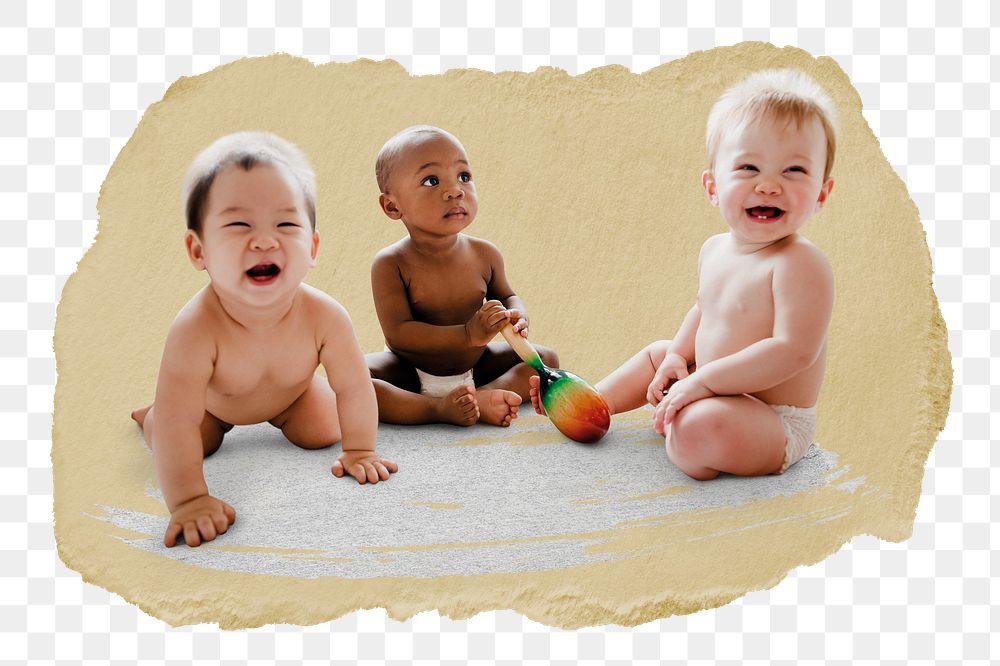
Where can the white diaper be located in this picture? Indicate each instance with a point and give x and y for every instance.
(800, 427)
(436, 386)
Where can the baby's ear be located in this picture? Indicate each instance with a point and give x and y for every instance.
(389, 206)
(314, 249)
(195, 250)
(824, 192)
(708, 182)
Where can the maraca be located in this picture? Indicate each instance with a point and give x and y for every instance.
(574, 406)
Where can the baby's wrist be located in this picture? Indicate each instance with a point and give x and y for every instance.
(172, 507)
(674, 356)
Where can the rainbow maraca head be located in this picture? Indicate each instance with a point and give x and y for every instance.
(574, 406)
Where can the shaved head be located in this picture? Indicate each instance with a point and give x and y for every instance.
(397, 146)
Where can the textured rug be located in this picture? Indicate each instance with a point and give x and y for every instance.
(468, 501)
(481, 519)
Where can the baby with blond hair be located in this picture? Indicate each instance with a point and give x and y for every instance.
(735, 389)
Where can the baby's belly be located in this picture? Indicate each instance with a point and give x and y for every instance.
(262, 403)
(452, 363)
(800, 390)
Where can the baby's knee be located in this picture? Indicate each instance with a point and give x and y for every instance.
(317, 431)
(316, 440)
(695, 422)
(313, 446)
(657, 351)
(696, 430)
(548, 356)
(687, 455)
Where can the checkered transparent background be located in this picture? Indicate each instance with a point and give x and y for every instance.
(74, 81)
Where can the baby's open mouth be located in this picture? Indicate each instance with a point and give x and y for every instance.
(263, 273)
(765, 213)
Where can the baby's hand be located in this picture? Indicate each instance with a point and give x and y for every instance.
(363, 466)
(199, 519)
(672, 368)
(486, 323)
(518, 321)
(681, 394)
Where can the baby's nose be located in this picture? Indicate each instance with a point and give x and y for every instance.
(263, 241)
(456, 192)
(768, 186)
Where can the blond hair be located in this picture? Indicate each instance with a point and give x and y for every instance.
(389, 154)
(783, 95)
(245, 150)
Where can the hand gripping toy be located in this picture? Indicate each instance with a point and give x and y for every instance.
(574, 406)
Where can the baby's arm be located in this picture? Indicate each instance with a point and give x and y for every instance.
(499, 287)
(357, 409)
(802, 289)
(680, 355)
(404, 333)
(176, 439)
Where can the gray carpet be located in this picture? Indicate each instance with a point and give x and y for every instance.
(465, 500)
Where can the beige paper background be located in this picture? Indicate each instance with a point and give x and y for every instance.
(590, 186)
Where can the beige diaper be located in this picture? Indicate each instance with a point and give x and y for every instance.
(800, 427)
(436, 386)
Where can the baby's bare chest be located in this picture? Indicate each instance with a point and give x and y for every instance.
(247, 365)
(736, 292)
(446, 295)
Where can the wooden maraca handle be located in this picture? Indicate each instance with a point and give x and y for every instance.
(520, 345)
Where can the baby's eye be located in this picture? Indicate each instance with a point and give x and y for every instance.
(746, 167)
(238, 223)
(430, 181)
(465, 176)
(287, 224)
(797, 169)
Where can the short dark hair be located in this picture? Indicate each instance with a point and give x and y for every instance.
(244, 150)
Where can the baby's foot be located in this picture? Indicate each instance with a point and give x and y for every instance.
(497, 406)
(458, 407)
(536, 400)
(139, 415)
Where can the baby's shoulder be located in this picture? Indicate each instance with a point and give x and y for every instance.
(318, 304)
(713, 242)
(391, 254)
(800, 254)
(712, 246)
(483, 249)
(198, 323)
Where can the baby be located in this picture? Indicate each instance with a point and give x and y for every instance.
(429, 290)
(245, 348)
(735, 389)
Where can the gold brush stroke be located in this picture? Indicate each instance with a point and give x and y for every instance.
(511, 437)
(666, 492)
(888, 379)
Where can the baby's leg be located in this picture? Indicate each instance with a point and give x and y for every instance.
(212, 429)
(502, 381)
(625, 388)
(311, 421)
(500, 368)
(392, 369)
(397, 389)
(396, 405)
(736, 434)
